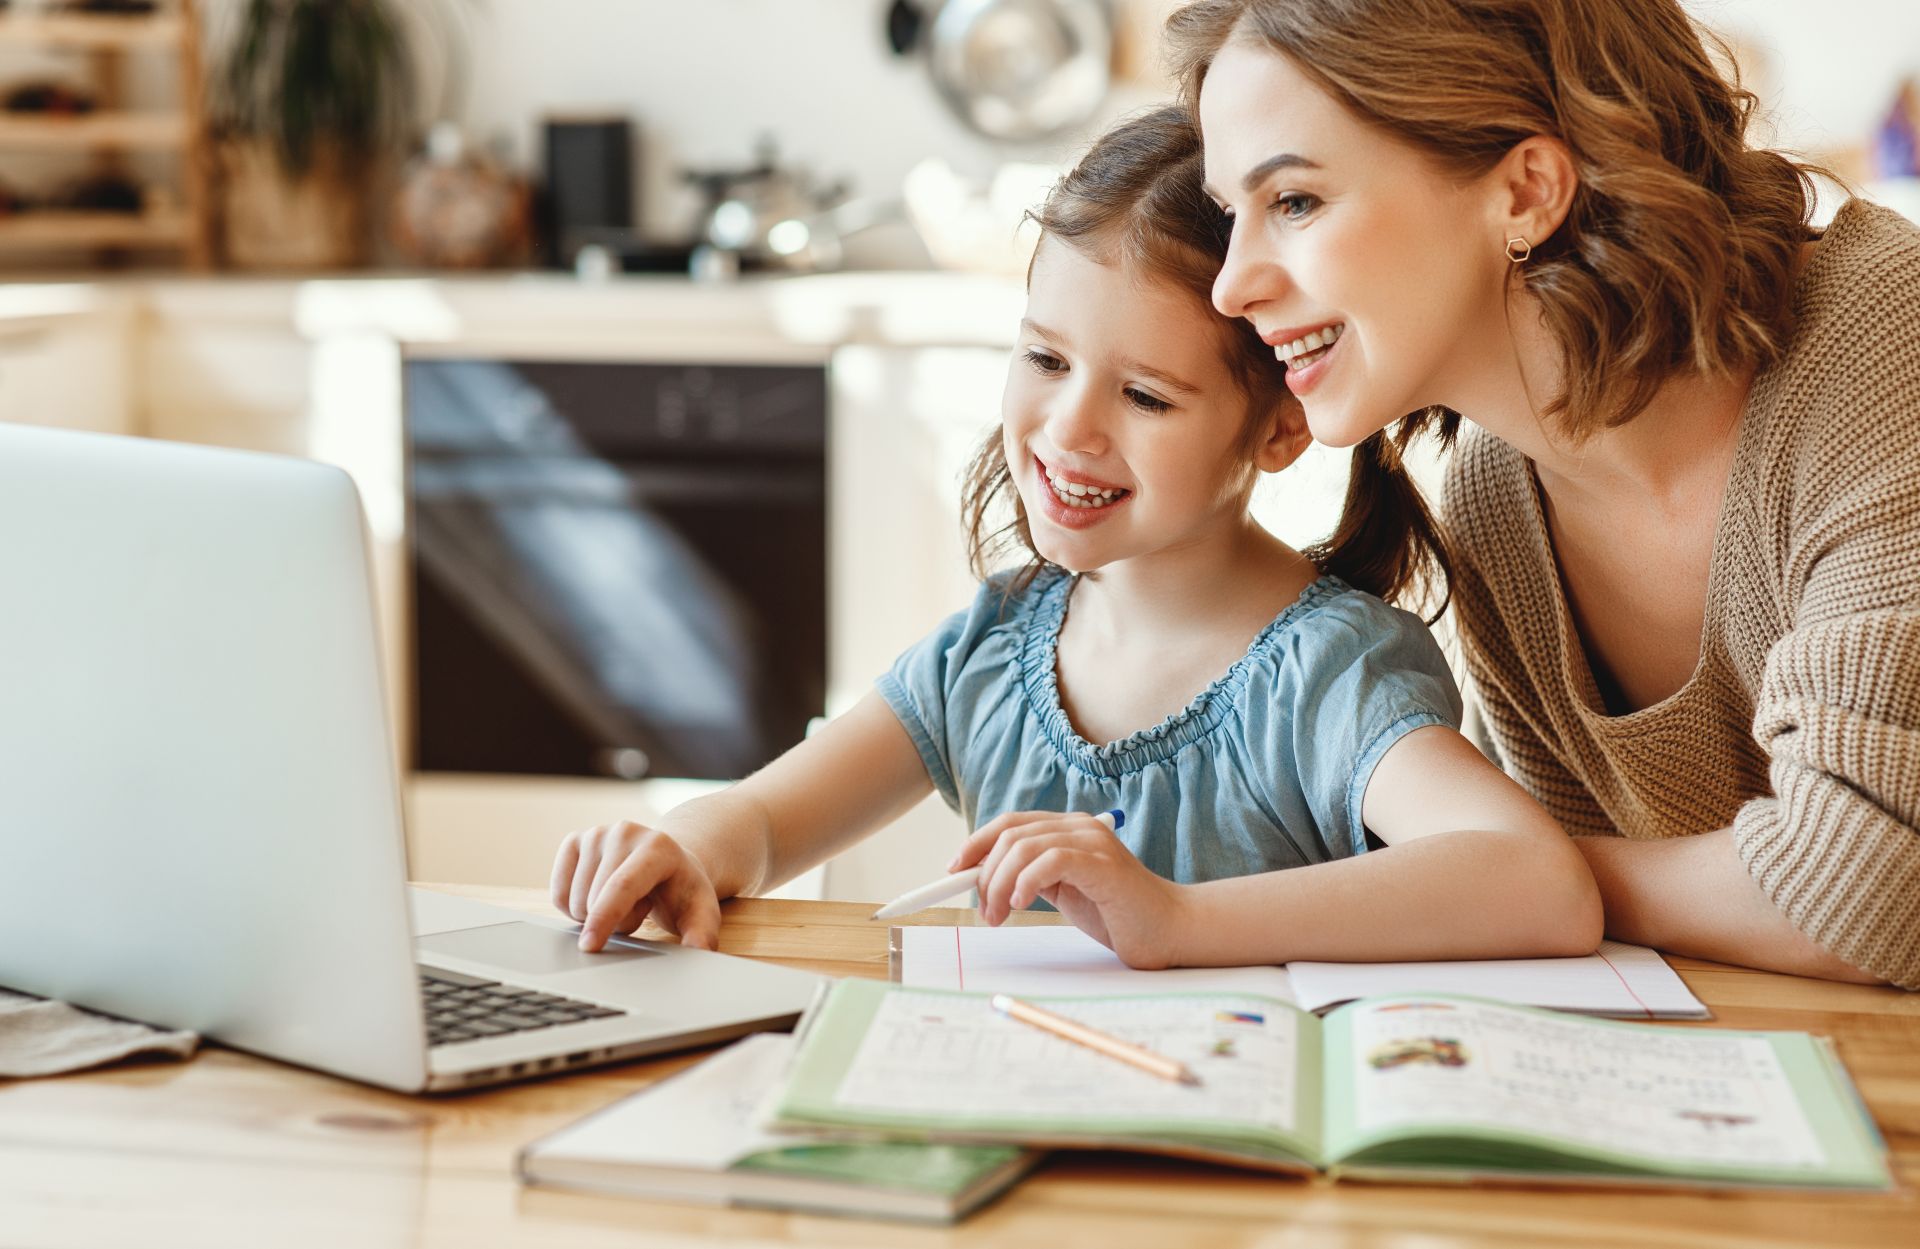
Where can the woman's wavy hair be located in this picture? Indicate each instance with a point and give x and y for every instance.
(1138, 199)
(1679, 249)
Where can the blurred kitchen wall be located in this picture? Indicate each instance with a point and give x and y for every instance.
(1826, 70)
(705, 79)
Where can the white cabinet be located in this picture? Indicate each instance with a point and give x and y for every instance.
(905, 422)
(224, 364)
(65, 360)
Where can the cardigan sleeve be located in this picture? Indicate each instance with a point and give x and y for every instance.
(1836, 846)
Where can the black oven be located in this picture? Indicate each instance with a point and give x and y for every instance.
(617, 569)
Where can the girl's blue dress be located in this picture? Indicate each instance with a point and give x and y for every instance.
(1265, 769)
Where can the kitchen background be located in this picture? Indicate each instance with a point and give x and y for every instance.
(654, 333)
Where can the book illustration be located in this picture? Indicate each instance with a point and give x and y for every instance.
(1438, 1051)
(1225, 1044)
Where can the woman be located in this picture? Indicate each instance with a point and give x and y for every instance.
(1686, 511)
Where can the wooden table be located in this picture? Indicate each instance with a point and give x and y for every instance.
(230, 1149)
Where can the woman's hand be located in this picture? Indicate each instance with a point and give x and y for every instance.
(1075, 862)
(610, 878)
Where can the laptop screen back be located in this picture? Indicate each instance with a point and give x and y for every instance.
(199, 825)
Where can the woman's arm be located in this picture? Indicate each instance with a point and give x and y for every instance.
(1473, 869)
(1693, 896)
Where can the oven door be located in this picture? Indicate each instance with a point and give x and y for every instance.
(617, 569)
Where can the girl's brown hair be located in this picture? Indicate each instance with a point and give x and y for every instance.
(1138, 199)
(1678, 251)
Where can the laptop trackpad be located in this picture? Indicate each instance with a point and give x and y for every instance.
(525, 948)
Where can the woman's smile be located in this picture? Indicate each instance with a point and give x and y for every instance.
(1306, 355)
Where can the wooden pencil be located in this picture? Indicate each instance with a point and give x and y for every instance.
(1094, 1039)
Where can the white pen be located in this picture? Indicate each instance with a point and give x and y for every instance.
(936, 892)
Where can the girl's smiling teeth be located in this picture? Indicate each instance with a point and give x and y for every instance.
(1302, 352)
(1081, 494)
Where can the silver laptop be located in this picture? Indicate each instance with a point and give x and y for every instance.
(199, 822)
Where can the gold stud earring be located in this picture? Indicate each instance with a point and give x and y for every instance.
(1518, 249)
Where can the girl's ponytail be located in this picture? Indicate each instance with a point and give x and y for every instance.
(1388, 542)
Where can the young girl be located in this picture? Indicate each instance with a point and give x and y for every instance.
(1247, 709)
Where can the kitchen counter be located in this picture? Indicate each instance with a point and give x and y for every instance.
(906, 308)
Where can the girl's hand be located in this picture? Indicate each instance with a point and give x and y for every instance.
(1076, 863)
(610, 878)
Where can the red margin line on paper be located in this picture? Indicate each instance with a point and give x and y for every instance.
(1623, 983)
(960, 965)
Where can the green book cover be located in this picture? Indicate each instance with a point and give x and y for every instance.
(696, 1136)
(1406, 1085)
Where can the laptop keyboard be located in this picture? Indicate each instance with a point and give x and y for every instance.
(467, 1008)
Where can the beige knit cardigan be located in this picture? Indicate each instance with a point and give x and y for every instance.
(1800, 727)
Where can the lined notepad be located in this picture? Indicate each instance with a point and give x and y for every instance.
(1054, 958)
(1620, 980)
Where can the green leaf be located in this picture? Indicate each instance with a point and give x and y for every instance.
(303, 75)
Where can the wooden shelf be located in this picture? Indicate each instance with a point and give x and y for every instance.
(95, 229)
(90, 30)
(103, 44)
(108, 129)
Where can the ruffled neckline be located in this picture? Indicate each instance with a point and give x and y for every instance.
(1040, 654)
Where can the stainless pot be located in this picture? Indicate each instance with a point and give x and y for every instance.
(1014, 70)
(766, 216)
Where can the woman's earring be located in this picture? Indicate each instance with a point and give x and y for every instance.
(1518, 249)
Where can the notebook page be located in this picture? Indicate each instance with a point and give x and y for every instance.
(1057, 959)
(1628, 981)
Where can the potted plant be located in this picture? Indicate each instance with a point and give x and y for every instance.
(310, 98)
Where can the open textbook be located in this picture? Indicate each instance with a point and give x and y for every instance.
(1408, 1086)
(1627, 981)
(694, 1137)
